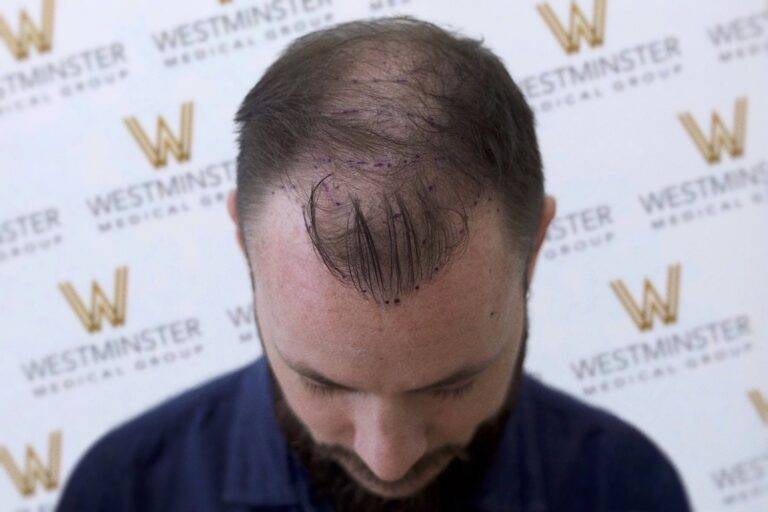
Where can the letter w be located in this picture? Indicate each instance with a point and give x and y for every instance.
(34, 469)
(652, 301)
(578, 26)
(29, 34)
(100, 305)
(760, 403)
(165, 140)
(719, 137)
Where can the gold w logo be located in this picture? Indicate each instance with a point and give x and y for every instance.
(100, 305)
(578, 26)
(34, 469)
(165, 140)
(29, 33)
(761, 405)
(653, 304)
(719, 136)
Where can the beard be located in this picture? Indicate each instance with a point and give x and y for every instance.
(448, 491)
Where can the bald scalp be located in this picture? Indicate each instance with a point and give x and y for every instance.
(390, 134)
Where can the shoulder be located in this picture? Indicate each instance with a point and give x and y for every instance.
(565, 416)
(197, 411)
(593, 456)
(170, 431)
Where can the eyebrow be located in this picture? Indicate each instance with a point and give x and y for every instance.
(464, 373)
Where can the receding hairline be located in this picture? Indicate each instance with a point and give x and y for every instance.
(351, 37)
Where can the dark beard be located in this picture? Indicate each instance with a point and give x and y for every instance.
(449, 491)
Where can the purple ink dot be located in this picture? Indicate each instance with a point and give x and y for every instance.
(431, 188)
(338, 203)
(417, 287)
(397, 301)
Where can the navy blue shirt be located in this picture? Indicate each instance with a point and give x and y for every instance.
(218, 447)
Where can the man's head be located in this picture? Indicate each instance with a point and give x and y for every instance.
(390, 205)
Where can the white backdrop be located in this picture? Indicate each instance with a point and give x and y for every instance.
(650, 298)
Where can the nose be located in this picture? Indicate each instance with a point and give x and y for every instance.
(389, 437)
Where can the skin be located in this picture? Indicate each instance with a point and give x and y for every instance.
(386, 417)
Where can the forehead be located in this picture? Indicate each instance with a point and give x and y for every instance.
(457, 318)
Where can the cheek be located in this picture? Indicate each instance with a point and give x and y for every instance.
(325, 418)
(457, 420)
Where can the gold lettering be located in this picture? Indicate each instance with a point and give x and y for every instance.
(653, 304)
(100, 305)
(29, 33)
(578, 26)
(34, 469)
(760, 404)
(165, 139)
(720, 137)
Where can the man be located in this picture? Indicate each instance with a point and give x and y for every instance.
(391, 207)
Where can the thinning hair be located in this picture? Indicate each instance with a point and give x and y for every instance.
(391, 133)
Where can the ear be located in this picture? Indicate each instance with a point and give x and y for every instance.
(232, 209)
(547, 214)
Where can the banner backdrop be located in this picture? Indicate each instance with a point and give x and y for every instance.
(121, 283)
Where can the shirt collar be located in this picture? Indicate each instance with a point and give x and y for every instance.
(257, 468)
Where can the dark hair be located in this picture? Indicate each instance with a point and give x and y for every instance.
(391, 132)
